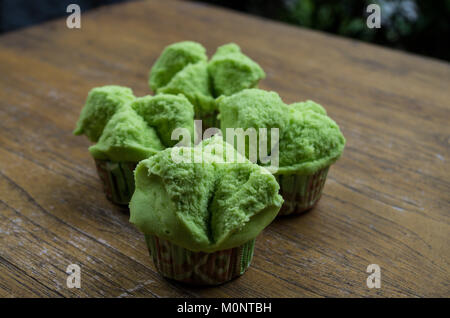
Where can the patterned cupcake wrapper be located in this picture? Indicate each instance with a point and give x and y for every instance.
(199, 268)
(117, 179)
(301, 192)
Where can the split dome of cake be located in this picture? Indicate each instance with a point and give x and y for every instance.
(101, 104)
(183, 67)
(205, 206)
(309, 140)
(128, 128)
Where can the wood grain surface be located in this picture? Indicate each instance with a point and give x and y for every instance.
(386, 201)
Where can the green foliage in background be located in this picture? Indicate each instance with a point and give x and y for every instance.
(419, 26)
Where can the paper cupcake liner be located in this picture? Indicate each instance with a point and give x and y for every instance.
(199, 268)
(301, 192)
(117, 179)
(209, 121)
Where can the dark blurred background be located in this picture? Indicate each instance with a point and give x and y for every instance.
(418, 26)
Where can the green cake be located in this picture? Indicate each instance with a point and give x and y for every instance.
(309, 140)
(129, 129)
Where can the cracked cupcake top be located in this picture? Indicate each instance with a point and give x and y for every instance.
(206, 204)
(183, 68)
(127, 128)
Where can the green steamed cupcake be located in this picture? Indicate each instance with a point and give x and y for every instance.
(182, 68)
(127, 130)
(203, 207)
(101, 104)
(309, 141)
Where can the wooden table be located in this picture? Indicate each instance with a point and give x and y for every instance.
(386, 201)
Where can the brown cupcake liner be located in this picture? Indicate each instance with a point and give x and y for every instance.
(301, 192)
(117, 179)
(199, 268)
